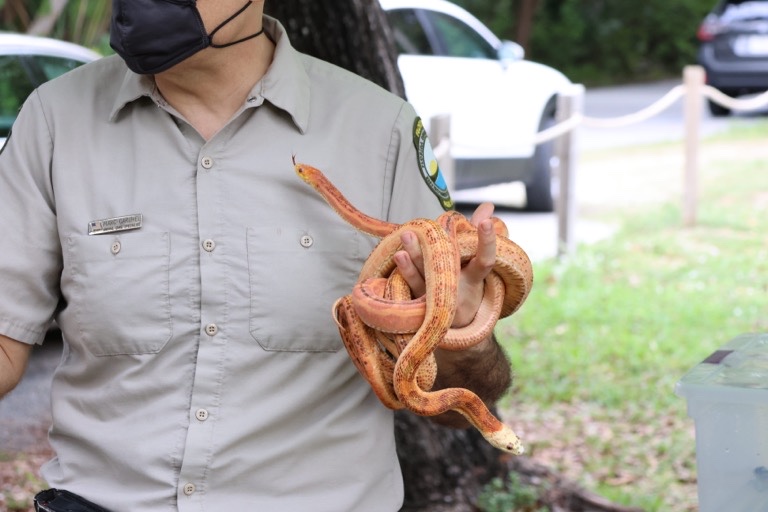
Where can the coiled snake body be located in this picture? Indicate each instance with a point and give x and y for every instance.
(391, 336)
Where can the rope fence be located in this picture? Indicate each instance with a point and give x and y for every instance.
(693, 91)
(755, 103)
(656, 108)
(570, 116)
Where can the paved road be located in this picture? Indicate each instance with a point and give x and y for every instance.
(668, 125)
(25, 411)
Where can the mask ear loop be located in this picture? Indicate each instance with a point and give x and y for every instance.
(221, 25)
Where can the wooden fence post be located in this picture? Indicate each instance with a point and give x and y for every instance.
(694, 79)
(569, 103)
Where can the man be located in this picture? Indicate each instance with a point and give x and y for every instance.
(153, 212)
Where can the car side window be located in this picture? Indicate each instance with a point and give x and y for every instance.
(458, 39)
(16, 85)
(409, 33)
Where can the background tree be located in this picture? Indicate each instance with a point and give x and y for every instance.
(81, 21)
(526, 12)
(508, 19)
(601, 41)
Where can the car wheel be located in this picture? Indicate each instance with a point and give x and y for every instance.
(717, 110)
(538, 192)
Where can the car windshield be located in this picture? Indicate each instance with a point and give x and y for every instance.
(21, 75)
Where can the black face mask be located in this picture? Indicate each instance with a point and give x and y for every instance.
(153, 35)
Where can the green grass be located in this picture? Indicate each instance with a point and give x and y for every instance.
(611, 329)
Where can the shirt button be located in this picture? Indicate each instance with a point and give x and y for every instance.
(189, 489)
(116, 246)
(206, 162)
(306, 241)
(209, 245)
(201, 414)
(211, 329)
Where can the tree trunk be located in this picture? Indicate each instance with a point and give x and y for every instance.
(525, 13)
(444, 470)
(353, 34)
(15, 15)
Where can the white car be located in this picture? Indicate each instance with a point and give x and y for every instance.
(28, 61)
(453, 64)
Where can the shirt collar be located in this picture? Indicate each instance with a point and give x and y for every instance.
(134, 87)
(286, 84)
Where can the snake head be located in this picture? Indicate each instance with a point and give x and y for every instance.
(305, 172)
(296, 166)
(504, 439)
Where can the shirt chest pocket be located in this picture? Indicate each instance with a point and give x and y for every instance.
(295, 277)
(118, 289)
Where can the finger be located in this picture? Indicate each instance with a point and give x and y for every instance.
(482, 263)
(482, 212)
(411, 263)
(411, 246)
(410, 273)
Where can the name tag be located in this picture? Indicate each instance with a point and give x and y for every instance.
(124, 223)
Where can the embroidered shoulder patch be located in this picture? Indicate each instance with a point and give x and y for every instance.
(430, 170)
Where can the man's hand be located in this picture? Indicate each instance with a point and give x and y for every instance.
(472, 281)
(14, 356)
(484, 368)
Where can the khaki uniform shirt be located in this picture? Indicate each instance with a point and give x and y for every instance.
(201, 367)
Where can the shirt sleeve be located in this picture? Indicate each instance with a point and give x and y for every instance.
(30, 262)
(419, 189)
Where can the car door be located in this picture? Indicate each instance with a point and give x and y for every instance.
(449, 68)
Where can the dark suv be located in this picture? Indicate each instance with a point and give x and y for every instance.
(734, 48)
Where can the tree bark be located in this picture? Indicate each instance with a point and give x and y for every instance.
(353, 34)
(443, 469)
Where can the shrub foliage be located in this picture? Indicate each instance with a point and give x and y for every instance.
(603, 41)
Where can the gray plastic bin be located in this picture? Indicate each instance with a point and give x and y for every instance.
(727, 397)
